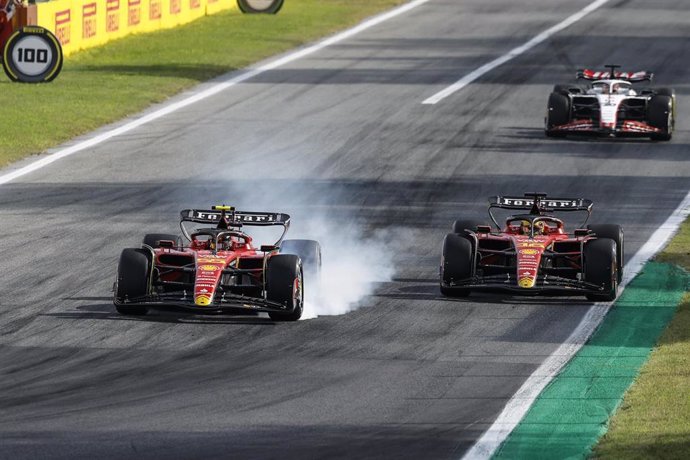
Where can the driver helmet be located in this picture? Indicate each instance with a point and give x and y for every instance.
(525, 227)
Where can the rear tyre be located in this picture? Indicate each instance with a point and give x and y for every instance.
(615, 233)
(600, 268)
(660, 113)
(568, 89)
(284, 285)
(557, 113)
(666, 92)
(459, 226)
(456, 264)
(133, 274)
(309, 251)
(154, 239)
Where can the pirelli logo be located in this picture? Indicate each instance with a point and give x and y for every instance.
(175, 6)
(63, 29)
(112, 15)
(133, 12)
(155, 10)
(89, 23)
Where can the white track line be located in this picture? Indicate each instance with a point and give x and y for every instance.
(522, 400)
(215, 89)
(472, 76)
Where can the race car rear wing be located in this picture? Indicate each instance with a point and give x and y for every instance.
(632, 77)
(234, 218)
(538, 203)
(226, 217)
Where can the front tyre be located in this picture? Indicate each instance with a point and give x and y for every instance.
(600, 268)
(133, 275)
(660, 114)
(615, 233)
(456, 264)
(285, 286)
(557, 114)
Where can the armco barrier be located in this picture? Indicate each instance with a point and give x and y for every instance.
(81, 24)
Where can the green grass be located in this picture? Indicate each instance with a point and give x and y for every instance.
(107, 83)
(653, 420)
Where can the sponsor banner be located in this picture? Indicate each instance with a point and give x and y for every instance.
(81, 24)
(113, 17)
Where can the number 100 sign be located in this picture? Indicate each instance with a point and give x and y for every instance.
(32, 55)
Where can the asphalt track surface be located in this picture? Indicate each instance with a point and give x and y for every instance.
(341, 135)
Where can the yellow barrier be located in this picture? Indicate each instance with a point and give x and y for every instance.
(81, 24)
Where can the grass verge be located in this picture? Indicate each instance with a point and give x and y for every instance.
(653, 421)
(104, 84)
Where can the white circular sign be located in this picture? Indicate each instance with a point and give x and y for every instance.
(32, 55)
(260, 4)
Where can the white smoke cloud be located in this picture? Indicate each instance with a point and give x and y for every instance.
(353, 262)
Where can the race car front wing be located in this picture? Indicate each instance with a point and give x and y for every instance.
(544, 284)
(224, 303)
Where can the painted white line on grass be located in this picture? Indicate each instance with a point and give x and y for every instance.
(522, 400)
(213, 90)
(474, 75)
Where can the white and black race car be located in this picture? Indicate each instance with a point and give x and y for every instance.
(611, 106)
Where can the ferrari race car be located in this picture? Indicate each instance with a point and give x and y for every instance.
(533, 254)
(219, 270)
(610, 106)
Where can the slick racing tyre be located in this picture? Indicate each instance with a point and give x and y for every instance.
(132, 280)
(557, 113)
(666, 92)
(460, 225)
(456, 264)
(284, 285)
(260, 6)
(154, 239)
(660, 114)
(568, 89)
(615, 233)
(309, 251)
(600, 268)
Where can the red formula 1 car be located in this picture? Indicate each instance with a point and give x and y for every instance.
(533, 253)
(611, 106)
(219, 270)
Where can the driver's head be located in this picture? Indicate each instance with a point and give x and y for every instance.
(525, 227)
(224, 243)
